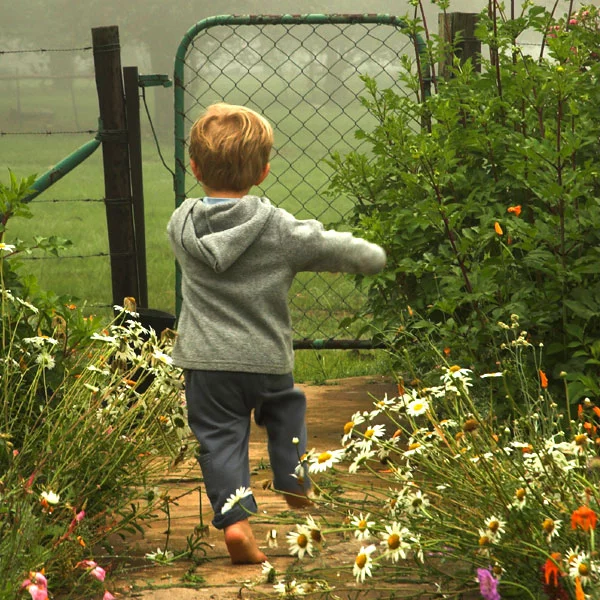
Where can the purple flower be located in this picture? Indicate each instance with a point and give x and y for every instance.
(488, 585)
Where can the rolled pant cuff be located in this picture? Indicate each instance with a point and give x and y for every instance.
(242, 510)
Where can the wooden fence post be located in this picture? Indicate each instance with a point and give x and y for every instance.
(115, 153)
(467, 46)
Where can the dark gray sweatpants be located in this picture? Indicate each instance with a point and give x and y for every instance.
(219, 405)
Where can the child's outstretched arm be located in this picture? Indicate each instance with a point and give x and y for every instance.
(310, 247)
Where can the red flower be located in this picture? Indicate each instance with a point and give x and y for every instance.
(584, 517)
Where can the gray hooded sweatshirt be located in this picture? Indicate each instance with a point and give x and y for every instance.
(238, 259)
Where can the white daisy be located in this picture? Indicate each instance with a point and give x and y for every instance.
(45, 360)
(416, 502)
(268, 572)
(495, 528)
(162, 357)
(393, 541)
(374, 432)
(361, 526)
(50, 497)
(355, 420)
(381, 406)
(234, 499)
(325, 460)
(6, 247)
(417, 407)
(289, 589)
(363, 563)
(362, 456)
(580, 566)
(316, 535)
(39, 341)
(26, 304)
(551, 527)
(300, 541)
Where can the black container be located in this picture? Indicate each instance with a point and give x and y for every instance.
(159, 320)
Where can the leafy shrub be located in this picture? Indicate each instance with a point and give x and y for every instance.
(485, 196)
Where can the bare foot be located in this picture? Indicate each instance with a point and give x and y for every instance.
(241, 544)
(298, 501)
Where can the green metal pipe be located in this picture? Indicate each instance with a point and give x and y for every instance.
(58, 171)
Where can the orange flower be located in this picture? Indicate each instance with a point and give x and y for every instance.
(447, 351)
(585, 517)
(543, 379)
(497, 228)
(516, 210)
(596, 411)
(579, 593)
(579, 411)
(551, 569)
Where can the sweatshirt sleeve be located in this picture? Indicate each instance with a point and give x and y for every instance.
(308, 246)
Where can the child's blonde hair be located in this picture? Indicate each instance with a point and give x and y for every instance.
(231, 146)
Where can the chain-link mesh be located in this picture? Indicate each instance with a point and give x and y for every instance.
(304, 75)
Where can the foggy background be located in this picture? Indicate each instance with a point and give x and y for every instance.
(151, 30)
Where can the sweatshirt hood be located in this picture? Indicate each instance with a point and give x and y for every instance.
(219, 234)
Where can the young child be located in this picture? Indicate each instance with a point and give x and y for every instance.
(238, 256)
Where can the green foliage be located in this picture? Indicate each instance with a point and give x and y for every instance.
(91, 415)
(485, 196)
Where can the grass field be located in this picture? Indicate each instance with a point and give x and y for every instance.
(72, 208)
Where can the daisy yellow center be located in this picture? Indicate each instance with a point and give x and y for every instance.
(454, 369)
(362, 525)
(583, 569)
(324, 457)
(393, 541)
(417, 406)
(484, 540)
(369, 433)
(302, 541)
(520, 493)
(315, 535)
(548, 525)
(417, 502)
(581, 439)
(361, 561)
(414, 446)
(348, 427)
(494, 526)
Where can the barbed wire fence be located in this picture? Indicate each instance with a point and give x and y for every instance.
(49, 106)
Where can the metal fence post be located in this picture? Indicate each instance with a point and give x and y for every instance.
(132, 105)
(115, 152)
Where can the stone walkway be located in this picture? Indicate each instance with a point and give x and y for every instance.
(329, 407)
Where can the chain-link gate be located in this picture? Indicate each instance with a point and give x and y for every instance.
(303, 73)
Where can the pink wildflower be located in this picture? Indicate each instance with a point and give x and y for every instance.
(94, 570)
(37, 592)
(108, 596)
(98, 572)
(37, 586)
(488, 585)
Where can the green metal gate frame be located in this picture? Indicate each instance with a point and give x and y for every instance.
(179, 109)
